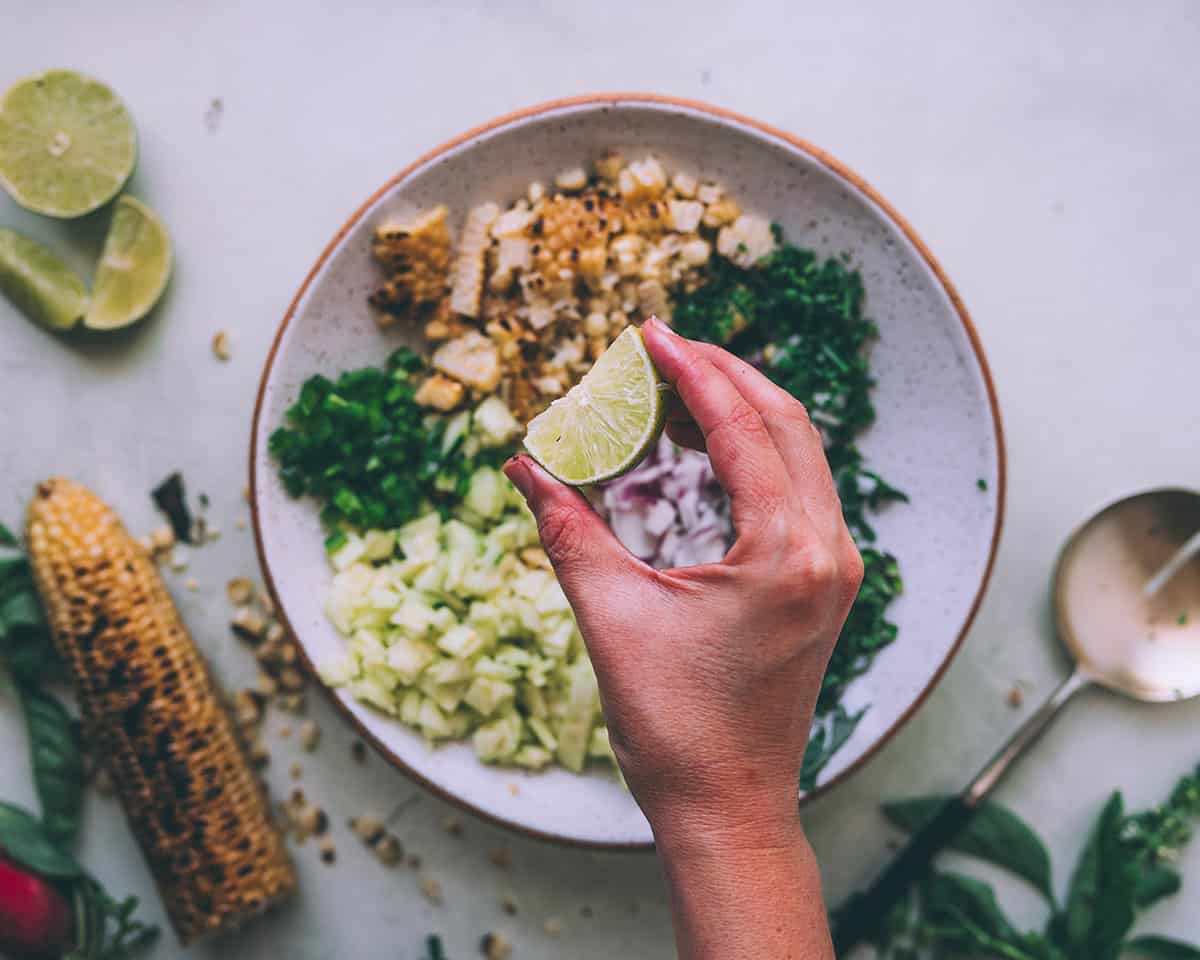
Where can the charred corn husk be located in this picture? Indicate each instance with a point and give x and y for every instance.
(153, 712)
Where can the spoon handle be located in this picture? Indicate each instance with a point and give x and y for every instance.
(864, 913)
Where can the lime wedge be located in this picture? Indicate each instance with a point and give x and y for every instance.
(67, 143)
(133, 269)
(40, 285)
(607, 423)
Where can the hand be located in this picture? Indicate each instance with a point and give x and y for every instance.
(709, 675)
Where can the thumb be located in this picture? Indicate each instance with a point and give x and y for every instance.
(587, 557)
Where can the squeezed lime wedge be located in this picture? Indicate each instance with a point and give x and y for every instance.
(608, 422)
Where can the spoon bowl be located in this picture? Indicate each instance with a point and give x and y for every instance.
(1144, 647)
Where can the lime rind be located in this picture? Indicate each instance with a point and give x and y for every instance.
(67, 143)
(134, 267)
(39, 283)
(607, 423)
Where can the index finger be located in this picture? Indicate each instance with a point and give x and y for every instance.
(744, 457)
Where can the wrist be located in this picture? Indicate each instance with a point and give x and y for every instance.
(750, 827)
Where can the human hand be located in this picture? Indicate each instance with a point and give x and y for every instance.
(709, 675)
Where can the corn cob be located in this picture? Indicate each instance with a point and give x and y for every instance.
(466, 283)
(153, 712)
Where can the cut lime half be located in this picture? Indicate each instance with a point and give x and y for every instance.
(608, 422)
(40, 285)
(67, 143)
(134, 267)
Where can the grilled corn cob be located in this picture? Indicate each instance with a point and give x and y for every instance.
(466, 284)
(153, 712)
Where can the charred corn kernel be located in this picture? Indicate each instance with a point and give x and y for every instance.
(685, 214)
(536, 191)
(695, 252)
(609, 166)
(652, 301)
(709, 193)
(572, 179)
(720, 213)
(684, 184)
(151, 708)
(466, 285)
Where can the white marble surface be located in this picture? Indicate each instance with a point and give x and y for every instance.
(1047, 152)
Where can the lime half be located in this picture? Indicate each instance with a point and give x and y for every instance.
(67, 143)
(43, 287)
(608, 421)
(133, 269)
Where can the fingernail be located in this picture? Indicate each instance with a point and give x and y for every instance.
(517, 471)
(667, 344)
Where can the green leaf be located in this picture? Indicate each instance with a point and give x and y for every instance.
(1162, 948)
(26, 841)
(827, 739)
(952, 897)
(57, 764)
(22, 610)
(7, 537)
(994, 834)
(1100, 905)
(1155, 882)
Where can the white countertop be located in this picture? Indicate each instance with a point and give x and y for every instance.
(1048, 153)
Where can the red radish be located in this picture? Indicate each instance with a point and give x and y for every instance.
(34, 918)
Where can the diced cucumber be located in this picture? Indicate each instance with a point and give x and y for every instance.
(486, 493)
(499, 738)
(486, 695)
(494, 423)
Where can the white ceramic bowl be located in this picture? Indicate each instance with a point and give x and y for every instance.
(938, 432)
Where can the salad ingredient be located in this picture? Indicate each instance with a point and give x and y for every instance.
(466, 282)
(151, 707)
(416, 257)
(221, 347)
(608, 422)
(134, 267)
(364, 446)
(802, 320)
(472, 359)
(670, 511)
(39, 284)
(34, 917)
(67, 143)
(448, 630)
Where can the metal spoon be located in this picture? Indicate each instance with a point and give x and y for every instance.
(1146, 647)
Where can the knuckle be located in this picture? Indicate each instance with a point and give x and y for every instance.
(811, 572)
(852, 569)
(559, 529)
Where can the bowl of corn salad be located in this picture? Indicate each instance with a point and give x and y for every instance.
(480, 284)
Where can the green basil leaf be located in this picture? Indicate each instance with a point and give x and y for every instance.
(1100, 905)
(1162, 948)
(951, 898)
(994, 834)
(7, 537)
(57, 763)
(30, 657)
(22, 609)
(26, 842)
(1155, 882)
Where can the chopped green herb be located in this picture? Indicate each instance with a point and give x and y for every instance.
(801, 321)
(981, 483)
(365, 448)
(1182, 619)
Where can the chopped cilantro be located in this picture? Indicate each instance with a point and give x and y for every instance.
(801, 321)
(1182, 619)
(981, 483)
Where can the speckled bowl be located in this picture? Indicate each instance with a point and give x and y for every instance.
(938, 433)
